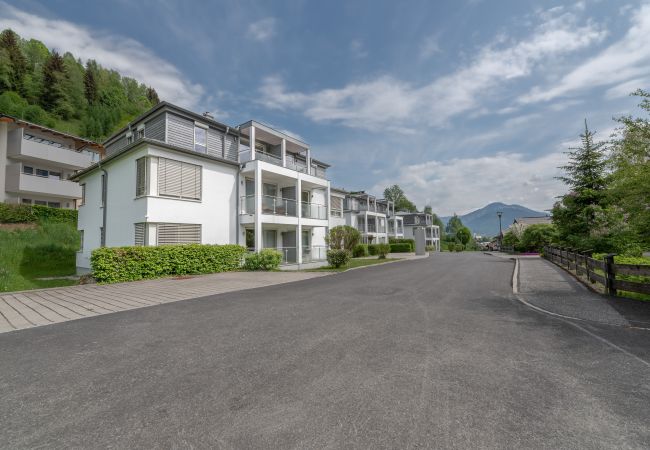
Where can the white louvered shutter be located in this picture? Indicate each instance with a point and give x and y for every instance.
(139, 233)
(141, 177)
(178, 233)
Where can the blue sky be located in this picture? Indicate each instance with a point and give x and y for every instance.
(460, 102)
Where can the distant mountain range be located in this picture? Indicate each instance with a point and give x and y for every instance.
(485, 222)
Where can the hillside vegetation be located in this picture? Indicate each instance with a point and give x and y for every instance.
(59, 91)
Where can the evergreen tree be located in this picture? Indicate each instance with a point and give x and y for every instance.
(576, 214)
(90, 85)
(454, 225)
(9, 42)
(396, 195)
(152, 96)
(53, 78)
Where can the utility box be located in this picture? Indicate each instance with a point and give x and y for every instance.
(420, 241)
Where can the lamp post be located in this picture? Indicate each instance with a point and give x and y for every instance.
(499, 214)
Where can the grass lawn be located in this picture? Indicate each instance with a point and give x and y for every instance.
(48, 250)
(354, 262)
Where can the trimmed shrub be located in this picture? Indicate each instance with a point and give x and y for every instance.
(383, 250)
(267, 259)
(403, 247)
(343, 237)
(360, 250)
(430, 248)
(338, 258)
(451, 246)
(116, 264)
(372, 249)
(10, 213)
(411, 242)
(459, 247)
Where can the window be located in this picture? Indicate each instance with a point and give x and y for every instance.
(140, 131)
(141, 177)
(42, 173)
(27, 201)
(129, 138)
(56, 175)
(200, 139)
(178, 233)
(28, 170)
(54, 204)
(83, 195)
(140, 233)
(81, 237)
(40, 202)
(178, 179)
(337, 206)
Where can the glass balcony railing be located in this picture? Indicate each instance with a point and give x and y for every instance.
(314, 253)
(314, 211)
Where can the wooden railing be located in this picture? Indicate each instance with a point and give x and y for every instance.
(605, 273)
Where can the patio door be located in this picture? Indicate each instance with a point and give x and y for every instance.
(270, 239)
(289, 254)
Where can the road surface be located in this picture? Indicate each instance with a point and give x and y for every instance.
(418, 354)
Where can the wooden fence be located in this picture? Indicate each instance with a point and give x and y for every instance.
(606, 273)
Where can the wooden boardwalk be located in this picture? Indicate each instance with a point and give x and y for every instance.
(28, 309)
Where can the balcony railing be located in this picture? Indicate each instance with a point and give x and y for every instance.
(270, 205)
(298, 166)
(314, 253)
(269, 158)
(314, 211)
(30, 137)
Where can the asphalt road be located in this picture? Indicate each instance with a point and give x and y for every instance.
(416, 354)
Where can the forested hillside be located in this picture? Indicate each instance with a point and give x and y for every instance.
(58, 91)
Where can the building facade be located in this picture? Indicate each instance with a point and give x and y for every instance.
(36, 162)
(172, 177)
(421, 220)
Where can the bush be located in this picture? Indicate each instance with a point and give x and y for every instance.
(116, 264)
(267, 259)
(536, 236)
(343, 237)
(430, 248)
(400, 248)
(383, 250)
(337, 257)
(411, 242)
(459, 247)
(372, 249)
(10, 213)
(360, 250)
(451, 246)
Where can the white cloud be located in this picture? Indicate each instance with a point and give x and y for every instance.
(388, 102)
(461, 185)
(623, 61)
(262, 30)
(125, 55)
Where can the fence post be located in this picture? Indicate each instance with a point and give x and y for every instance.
(610, 276)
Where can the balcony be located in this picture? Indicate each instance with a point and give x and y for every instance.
(278, 206)
(22, 183)
(313, 211)
(32, 148)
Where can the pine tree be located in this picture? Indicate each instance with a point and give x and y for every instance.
(576, 214)
(90, 85)
(152, 96)
(9, 41)
(53, 76)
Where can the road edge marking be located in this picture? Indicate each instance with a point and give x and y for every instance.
(515, 277)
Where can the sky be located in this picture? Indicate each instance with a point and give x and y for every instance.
(460, 102)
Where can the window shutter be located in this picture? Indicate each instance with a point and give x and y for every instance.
(141, 177)
(139, 233)
(178, 233)
(191, 181)
(336, 202)
(169, 178)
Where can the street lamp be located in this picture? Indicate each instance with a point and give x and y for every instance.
(499, 214)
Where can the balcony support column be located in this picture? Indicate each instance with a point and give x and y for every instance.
(308, 158)
(258, 208)
(299, 214)
(252, 141)
(283, 151)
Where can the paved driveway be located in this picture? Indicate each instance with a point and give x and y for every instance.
(433, 353)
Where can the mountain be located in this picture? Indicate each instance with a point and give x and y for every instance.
(59, 91)
(485, 222)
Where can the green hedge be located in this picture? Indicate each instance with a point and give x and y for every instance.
(372, 249)
(116, 264)
(10, 213)
(410, 242)
(267, 259)
(338, 257)
(403, 247)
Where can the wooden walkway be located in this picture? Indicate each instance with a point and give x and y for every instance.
(28, 309)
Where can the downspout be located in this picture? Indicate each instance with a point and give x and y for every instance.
(104, 203)
(237, 199)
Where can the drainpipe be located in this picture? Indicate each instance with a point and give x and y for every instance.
(105, 204)
(237, 199)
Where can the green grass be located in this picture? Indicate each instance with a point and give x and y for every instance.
(355, 262)
(48, 250)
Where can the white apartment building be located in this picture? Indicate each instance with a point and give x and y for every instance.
(36, 162)
(174, 176)
(421, 220)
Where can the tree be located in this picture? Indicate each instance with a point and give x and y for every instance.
(396, 195)
(53, 83)
(453, 225)
(630, 188)
(9, 42)
(428, 209)
(343, 237)
(464, 235)
(536, 236)
(90, 84)
(576, 211)
(152, 96)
